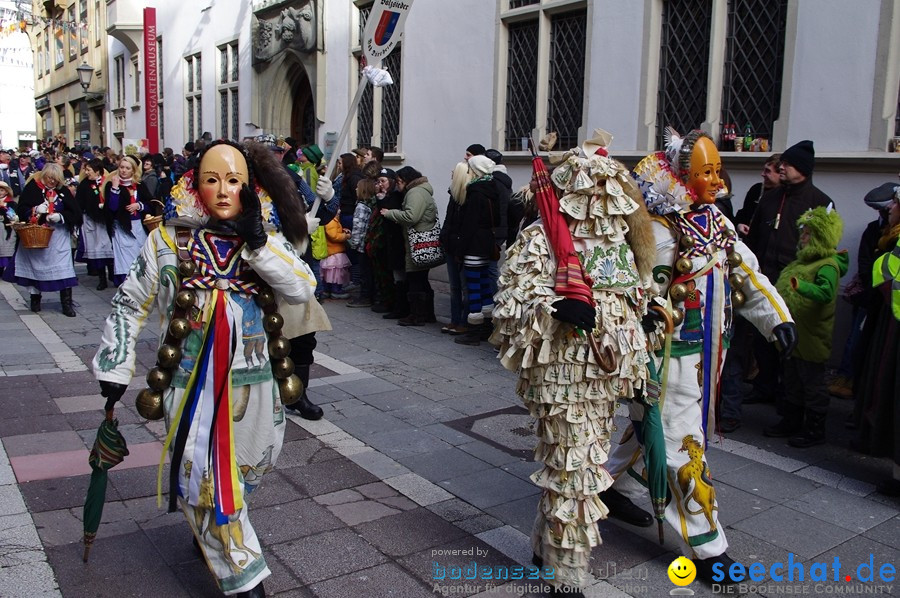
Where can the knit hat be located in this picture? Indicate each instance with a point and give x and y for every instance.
(387, 172)
(881, 197)
(801, 156)
(481, 165)
(407, 174)
(313, 153)
(476, 149)
(494, 155)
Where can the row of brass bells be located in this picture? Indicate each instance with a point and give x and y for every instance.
(149, 400)
(290, 388)
(737, 284)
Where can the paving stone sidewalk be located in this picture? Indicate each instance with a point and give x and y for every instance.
(422, 458)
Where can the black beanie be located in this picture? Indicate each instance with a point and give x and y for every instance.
(476, 149)
(408, 174)
(801, 156)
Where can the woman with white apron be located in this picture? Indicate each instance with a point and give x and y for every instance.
(127, 199)
(46, 200)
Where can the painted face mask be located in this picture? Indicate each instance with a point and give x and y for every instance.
(706, 165)
(222, 174)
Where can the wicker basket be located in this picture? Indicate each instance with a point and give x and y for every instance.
(152, 222)
(33, 236)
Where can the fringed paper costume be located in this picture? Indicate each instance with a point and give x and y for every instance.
(562, 385)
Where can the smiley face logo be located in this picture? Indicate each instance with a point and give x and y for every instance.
(682, 571)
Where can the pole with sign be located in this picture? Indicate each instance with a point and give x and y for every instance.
(384, 30)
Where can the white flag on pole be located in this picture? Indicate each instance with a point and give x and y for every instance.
(384, 29)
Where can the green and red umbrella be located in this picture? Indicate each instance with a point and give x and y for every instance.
(109, 450)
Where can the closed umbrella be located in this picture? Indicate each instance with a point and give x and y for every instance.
(108, 451)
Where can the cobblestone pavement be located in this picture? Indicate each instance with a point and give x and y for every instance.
(420, 465)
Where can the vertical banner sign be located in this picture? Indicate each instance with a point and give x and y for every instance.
(384, 29)
(151, 80)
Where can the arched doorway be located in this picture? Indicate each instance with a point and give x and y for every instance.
(303, 109)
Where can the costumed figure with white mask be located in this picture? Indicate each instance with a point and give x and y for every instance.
(218, 272)
(594, 206)
(704, 274)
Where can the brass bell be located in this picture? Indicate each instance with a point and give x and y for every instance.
(735, 259)
(282, 368)
(684, 265)
(279, 347)
(687, 241)
(736, 280)
(273, 322)
(677, 317)
(179, 328)
(678, 292)
(149, 404)
(187, 268)
(738, 298)
(265, 297)
(159, 379)
(168, 356)
(185, 299)
(290, 389)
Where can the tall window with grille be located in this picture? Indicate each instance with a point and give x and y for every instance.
(119, 62)
(47, 50)
(97, 21)
(683, 65)
(61, 119)
(551, 99)
(193, 96)
(227, 87)
(521, 83)
(136, 79)
(366, 112)
(897, 117)
(378, 117)
(72, 33)
(82, 120)
(754, 62)
(83, 25)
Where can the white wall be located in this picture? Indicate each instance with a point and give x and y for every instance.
(16, 88)
(614, 84)
(833, 74)
(448, 86)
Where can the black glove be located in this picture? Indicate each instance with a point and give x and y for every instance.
(786, 338)
(650, 320)
(248, 224)
(113, 391)
(575, 312)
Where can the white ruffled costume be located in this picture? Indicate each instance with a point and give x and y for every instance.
(560, 382)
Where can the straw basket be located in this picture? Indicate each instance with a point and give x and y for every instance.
(152, 222)
(33, 236)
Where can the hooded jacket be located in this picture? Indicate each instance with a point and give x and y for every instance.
(809, 284)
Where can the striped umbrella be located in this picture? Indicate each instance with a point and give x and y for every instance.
(109, 450)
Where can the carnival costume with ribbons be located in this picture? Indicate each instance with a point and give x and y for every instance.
(222, 371)
(570, 393)
(704, 273)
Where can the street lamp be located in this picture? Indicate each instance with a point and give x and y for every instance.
(85, 74)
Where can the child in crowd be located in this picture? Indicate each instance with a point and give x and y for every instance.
(336, 267)
(809, 286)
(8, 207)
(362, 216)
